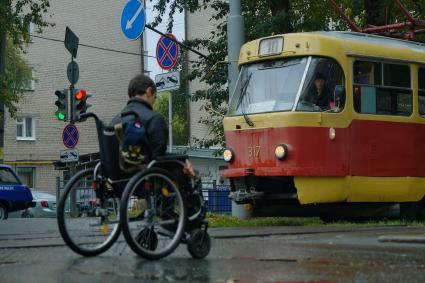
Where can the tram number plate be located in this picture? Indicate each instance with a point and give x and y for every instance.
(254, 151)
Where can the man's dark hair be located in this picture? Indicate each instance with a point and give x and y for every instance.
(320, 76)
(139, 84)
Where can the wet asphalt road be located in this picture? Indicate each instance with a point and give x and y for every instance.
(31, 250)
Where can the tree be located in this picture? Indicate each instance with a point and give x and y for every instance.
(15, 17)
(16, 79)
(179, 121)
(277, 16)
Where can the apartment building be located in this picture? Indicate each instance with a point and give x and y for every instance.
(33, 142)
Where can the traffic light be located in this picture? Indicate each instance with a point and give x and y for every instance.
(79, 99)
(62, 104)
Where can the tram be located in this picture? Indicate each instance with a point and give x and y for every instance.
(361, 148)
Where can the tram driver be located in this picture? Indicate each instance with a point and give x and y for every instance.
(319, 94)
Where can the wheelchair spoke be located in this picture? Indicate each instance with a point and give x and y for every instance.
(154, 220)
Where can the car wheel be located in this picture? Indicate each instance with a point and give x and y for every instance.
(3, 211)
(27, 214)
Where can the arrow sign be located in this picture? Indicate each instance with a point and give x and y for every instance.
(133, 19)
(130, 22)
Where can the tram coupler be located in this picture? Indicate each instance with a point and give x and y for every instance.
(242, 197)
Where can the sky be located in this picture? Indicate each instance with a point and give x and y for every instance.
(152, 37)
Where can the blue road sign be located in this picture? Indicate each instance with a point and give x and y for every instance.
(167, 52)
(70, 136)
(133, 19)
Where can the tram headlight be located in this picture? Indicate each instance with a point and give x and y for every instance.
(332, 134)
(281, 151)
(228, 155)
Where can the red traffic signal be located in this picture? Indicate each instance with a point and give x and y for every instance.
(79, 104)
(80, 94)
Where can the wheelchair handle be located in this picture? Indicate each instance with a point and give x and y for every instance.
(87, 115)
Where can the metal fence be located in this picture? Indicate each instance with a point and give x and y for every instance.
(217, 196)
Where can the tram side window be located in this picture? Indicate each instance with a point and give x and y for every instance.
(421, 92)
(382, 88)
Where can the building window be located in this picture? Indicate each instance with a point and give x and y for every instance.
(30, 29)
(30, 84)
(29, 26)
(27, 175)
(382, 88)
(25, 128)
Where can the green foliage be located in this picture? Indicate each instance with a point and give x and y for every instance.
(263, 18)
(15, 19)
(18, 14)
(16, 79)
(180, 136)
(221, 220)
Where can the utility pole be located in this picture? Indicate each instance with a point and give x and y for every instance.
(2, 74)
(235, 39)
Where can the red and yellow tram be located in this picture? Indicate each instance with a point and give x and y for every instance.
(362, 146)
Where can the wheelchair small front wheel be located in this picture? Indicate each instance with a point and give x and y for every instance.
(199, 244)
(89, 225)
(152, 214)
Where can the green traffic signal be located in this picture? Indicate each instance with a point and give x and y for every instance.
(60, 115)
(62, 104)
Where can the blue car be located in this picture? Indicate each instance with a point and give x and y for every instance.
(13, 194)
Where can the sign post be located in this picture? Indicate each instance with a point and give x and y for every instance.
(167, 53)
(71, 44)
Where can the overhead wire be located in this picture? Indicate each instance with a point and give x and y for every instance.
(105, 49)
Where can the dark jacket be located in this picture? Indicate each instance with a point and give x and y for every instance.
(156, 128)
(321, 100)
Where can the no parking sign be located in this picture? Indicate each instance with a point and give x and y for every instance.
(167, 52)
(70, 136)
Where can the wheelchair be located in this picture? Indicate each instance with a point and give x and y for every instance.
(156, 206)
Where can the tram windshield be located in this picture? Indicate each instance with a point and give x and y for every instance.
(267, 86)
(273, 86)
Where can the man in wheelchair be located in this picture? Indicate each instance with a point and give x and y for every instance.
(143, 139)
(145, 134)
(153, 197)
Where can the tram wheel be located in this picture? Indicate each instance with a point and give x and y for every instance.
(412, 211)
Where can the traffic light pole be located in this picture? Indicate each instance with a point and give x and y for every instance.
(71, 93)
(170, 120)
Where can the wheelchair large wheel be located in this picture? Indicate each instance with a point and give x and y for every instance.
(88, 224)
(152, 214)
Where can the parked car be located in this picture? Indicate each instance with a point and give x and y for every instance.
(14, 195)
(45, 205)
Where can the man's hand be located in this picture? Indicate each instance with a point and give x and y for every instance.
(188, 169)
